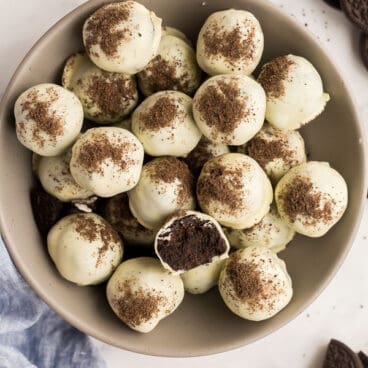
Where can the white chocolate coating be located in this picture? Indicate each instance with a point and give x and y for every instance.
(48, 119)
(106, 97)
(142, 293)
(255, 284)
(164, 124)
(229, 109)
(165, 234)
(200, 279)
(277, 151)
(271, 232)
(173, 68)
(230, 41)
(136, 33)
(118, 214)
(297, 97)
(156, 197)
(56, 179)
(317, 207)
(107, 161)
(171, 31)
(84, 248)
(234, 190)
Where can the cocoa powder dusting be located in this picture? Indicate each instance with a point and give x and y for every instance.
(93, 153)
(273, 74)
(170, 169)
(91, 230)
(160, 75)
(161, 114)
(46, 120)
(246, 279)
(222, 184)
(102, 28)
(233, 45)
(137, 307)
(221, 106)
(264, 151)
(190, 242)
(112, 93)
(298, 198)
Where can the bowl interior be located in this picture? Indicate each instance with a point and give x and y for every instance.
(202, 325)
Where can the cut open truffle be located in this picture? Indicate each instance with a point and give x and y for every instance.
(190, 239)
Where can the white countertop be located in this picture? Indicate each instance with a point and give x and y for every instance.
(342, 310)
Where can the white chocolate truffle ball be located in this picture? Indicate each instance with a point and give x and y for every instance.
(171, 31)
(311, 198)
(118, 214)
(107, 161)
(202, 278)
(122, 37)
(230, 41)
(164, 124)
(229, 109)
(234, 190)
(190, 239)
(84, 248)
(106, 97)
(204, 151)
(271, 232)
(173, 68)
(294, 92)
(165, 186)
(56, 179)
(277, 151)
(255, 284)
(142, 293)
(48, 119)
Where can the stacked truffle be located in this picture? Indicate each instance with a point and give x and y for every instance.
(186, 174)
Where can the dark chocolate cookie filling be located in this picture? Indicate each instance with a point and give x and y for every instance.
(190, 242)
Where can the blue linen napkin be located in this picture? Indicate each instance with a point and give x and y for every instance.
(33, 336)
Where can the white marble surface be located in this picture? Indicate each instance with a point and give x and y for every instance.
(342, 310)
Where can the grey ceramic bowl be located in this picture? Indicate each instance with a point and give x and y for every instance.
(202, 325)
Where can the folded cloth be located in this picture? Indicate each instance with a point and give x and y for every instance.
(33, 336)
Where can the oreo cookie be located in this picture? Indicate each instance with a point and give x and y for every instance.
(341, 356)
(364, 48)
(357, 12)
(334, 3)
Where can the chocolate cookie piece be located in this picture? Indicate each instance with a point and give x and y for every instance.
(341, 356)
(334, 3)
(363, 358)
(47, 210)
(357, 12)
(364, 48)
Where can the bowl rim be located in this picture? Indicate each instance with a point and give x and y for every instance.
(89, 330)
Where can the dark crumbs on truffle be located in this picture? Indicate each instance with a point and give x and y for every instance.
(161, 114)
(101, 28)
(46, 121)
(273, 74)
(222, 106)
(92, 154)
(168, 169)
(299, 199)
(221, 184)
(137, 307)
